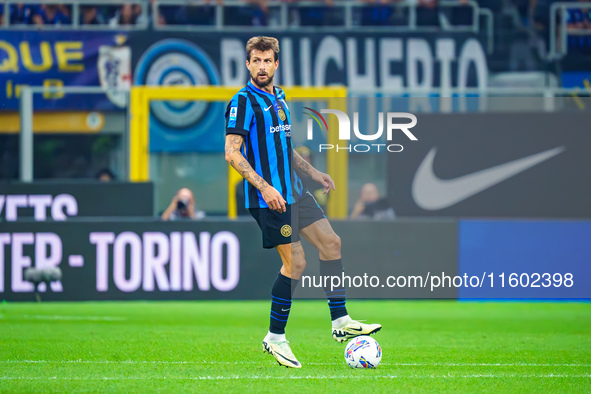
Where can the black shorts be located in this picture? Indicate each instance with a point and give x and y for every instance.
(280, 228)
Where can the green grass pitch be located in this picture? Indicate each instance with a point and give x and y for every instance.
(216, 346)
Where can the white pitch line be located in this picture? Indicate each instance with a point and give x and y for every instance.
(319, 377)
(313, 363)
(76, 318)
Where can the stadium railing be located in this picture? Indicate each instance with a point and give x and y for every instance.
(349, 12)
(280, 14)
(141, 24)
(559, 30)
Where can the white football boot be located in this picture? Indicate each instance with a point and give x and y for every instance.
(282, 353)
(352, 328)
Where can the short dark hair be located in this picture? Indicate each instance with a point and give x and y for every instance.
(263, 44)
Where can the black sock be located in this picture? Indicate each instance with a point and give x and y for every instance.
(281, 302)
(335, 296)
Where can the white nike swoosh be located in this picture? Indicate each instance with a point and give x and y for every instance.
(432, 193)
(269, 107)
(284, 310)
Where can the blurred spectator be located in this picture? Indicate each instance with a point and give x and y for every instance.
(127, 15)
(525, 10)
(257, 12)
(541, 25)
(19, 13)
(324, 14)
(24, 13)
(182, 206)
(427, 12)
(378, 12)
(578, 18)
(371, 206)
(52, 14)
(201, 14)
(460, 14)
(105, 175)
(541, 13)
(89, 15)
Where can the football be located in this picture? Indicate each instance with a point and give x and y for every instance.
(363, 352)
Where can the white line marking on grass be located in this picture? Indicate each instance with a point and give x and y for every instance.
(256, 362)
(486, 365)
(319, 377)
(76, 318)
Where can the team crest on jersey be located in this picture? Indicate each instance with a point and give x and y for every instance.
(286, 230)
(281, 114)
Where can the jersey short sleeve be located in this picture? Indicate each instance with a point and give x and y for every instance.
(239, 116)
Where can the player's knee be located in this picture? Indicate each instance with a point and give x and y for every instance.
(295, 268)
(298, 266)
(334, 243)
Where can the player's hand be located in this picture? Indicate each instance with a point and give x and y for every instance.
(274, 199)
(325, 180)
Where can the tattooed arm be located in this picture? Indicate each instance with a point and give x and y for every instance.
(302, 165)
(233, 156)
(324, 179)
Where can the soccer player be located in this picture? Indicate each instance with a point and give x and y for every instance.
(258, 146)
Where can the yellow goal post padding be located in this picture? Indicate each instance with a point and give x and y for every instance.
(139, 153)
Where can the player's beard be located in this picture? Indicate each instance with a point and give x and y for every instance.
(264, 83)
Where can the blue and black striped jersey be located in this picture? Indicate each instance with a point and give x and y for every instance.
(264, 121)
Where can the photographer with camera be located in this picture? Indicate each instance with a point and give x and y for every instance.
(182, 207)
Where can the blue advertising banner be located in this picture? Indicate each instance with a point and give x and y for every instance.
(56, 59)
(575, 79)
(525, 259)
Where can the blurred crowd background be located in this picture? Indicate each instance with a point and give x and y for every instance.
(525, 13)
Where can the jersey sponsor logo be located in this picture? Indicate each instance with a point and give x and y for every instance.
(281, 127)
(268, 108)
(286, 230)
